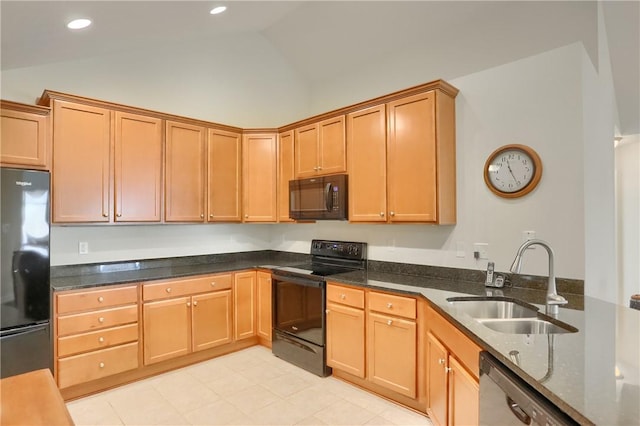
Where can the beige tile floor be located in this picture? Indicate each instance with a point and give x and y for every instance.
(250, 387)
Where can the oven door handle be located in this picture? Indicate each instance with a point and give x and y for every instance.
(297, 280)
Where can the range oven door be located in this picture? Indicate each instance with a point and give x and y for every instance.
(299, 323)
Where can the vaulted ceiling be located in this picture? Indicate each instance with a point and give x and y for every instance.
(321, 40)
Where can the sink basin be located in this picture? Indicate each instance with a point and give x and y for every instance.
(507, 315)
(526, 326)
(494, 307)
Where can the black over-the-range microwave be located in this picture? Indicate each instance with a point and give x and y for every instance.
(319, 198)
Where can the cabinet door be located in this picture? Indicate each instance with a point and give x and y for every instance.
(391, 351)
(264, 305)
(306, 151)
(411, 159)
(437, 360)
(367, 139)
(185, 172)
(138, 168)
(464, 396)
(259, 178)
(167, 329)
(223, 180)
(24, 137)
(244, 304)
(286, 173)
(345, 339)
(332, 149)
(81, 178)
(211, 320)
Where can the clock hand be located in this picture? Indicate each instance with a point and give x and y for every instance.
(511, 171)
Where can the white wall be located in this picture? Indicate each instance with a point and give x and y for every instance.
(240, 81)
(627, 158)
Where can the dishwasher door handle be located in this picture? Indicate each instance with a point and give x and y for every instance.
(518, 412)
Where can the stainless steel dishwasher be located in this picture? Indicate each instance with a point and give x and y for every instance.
(506, 399)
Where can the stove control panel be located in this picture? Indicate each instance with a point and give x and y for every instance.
(339, 249)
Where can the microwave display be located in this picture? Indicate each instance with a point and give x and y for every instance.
(321, 198)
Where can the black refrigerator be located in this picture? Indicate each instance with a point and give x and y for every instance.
(25, 334)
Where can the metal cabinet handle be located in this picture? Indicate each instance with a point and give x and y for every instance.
(315, 168)
(168, 289)
(441, 361)
(101, 365)
(381, 214)
(119, 214)
(101, 320)
(211, 215)
(447, 369)
(392, 213)
(195, 303)
(246, 216)
(105, 215)
(319, 168)
(343, 296)
(100, 299)
(188, 303)
(389, 322)
(213, 283)
(201, 215)
(389, 305)
(101, 339)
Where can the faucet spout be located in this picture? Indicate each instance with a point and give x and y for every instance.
(553, 298)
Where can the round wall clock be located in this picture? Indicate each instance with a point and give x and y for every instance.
(512, 171)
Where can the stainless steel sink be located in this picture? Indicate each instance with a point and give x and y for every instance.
(526, 326)
(493, 307)
(507, 315)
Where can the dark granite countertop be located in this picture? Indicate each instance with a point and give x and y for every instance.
(594, 374)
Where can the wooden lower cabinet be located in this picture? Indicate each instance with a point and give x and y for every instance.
(264, 306)
(346, 339)
(452, 378)
(244, 305)
(211, 320)
(96, 334)
(391, 351)
(194, 321)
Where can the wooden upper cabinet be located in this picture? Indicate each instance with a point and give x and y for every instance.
(367, 154)
(286, 172)
(82, 172)
(224, 176)
(185, 168)
(259, 177)
(320, 148)
(138, 168)
(25, 140)
(421, 159)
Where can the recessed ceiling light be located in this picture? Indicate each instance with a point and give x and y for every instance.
(78, 24)
(218, 9)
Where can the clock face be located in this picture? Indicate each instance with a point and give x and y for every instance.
(512, 171)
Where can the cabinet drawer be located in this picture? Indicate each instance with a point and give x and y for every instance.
(392, 305)
(95, 365)
(345, 295)
(96, 299)
(100, 339)
(185, 287)
(89, 321)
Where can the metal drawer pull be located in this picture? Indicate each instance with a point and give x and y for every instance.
(343, 296)
(188, 303)
(381, 214)
(195, 303)
(389, 305)
(447, 369)
(101, 339)
(101, 365)
(100, 299)
(168, 290)
(213, 283)
(389, 322)
(441, 361)
(101, 320)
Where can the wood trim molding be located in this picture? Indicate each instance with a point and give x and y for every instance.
(18, 106)
(440, 85)
(50, 95)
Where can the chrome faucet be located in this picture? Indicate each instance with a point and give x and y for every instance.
(553, 298)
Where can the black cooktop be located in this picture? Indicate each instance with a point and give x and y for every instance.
(320, 270)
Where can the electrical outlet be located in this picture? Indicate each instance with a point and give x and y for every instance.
(482, 249)
(83, 247)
